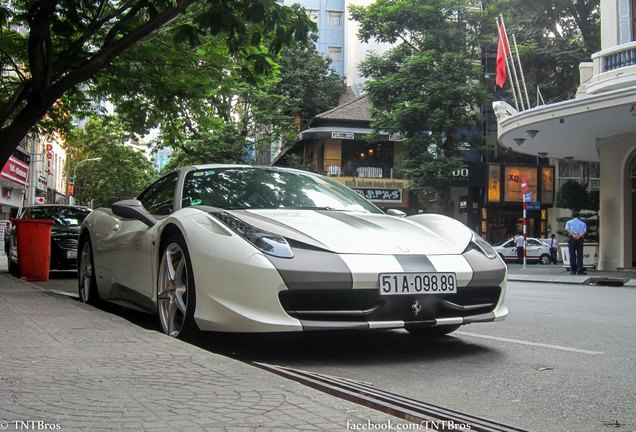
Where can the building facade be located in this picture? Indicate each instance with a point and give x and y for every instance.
(598, 125)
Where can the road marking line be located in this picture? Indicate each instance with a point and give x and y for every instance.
(522, 342)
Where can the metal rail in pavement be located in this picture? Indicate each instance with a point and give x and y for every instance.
(432, 416)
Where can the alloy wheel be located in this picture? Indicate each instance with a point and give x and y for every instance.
(172, 290)
(85, 273)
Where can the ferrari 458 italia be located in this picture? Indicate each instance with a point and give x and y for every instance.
(265, 249)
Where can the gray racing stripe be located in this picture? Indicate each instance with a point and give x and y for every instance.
(351, 220)
(486, 271)
(313, 269)
(415, 263)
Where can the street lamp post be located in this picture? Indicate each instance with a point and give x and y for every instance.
(71, 198)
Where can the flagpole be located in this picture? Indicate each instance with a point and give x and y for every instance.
(505, 44)
(523, 79)
(513, 68)
(540, 97)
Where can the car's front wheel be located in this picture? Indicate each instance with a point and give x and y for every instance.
(432, 332)
(545, 259)
(176, 296)
(87, 285)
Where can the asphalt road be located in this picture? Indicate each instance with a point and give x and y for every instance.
(562, 361)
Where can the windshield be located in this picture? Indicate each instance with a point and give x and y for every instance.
(264, 188)
(62, 215)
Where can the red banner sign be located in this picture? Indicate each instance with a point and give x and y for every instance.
(16, 171)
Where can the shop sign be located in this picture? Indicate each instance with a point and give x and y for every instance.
(343, 135)
(41, 182)
(16, 171)
(379, 190)
(381, 195)
(471, 174)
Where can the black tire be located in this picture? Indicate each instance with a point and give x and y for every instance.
(432, 332)
(176, 298)
(545, 259)
(86, 283)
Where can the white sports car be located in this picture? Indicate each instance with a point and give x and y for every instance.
(264, 249)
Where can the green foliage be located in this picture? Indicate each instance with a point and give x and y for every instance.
(426, 87)
(554, 37)
(572, 195)
(122, 172)
(71, 42)
(307, 86)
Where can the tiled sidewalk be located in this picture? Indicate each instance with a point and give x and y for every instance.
(70, 365)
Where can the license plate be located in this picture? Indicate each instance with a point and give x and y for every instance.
(71, 254)
(417, 283)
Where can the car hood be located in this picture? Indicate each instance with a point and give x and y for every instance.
(65, 230)
(363, 233)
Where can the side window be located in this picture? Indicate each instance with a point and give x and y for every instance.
(533, 243)
(159, 197)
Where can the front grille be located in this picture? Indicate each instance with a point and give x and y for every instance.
(66, 243)
(369, 305)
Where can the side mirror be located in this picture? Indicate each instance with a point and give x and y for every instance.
(396, 213)
(133, 209)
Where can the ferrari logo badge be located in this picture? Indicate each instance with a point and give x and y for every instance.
(417, 307)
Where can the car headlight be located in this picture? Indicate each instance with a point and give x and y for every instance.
(482, 246)
(267, 242)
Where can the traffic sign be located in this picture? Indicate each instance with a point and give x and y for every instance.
(527, 196)
(533, 205)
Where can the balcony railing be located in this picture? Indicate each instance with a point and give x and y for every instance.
(619, 59)
(611, 69)
(353, 168)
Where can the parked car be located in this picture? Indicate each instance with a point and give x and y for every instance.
(267, 249)
(536, 250)
(64, 234)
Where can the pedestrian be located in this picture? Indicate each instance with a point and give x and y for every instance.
(554, 245)
(519, 242)
(576, 228)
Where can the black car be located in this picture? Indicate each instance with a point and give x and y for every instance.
(64, 234)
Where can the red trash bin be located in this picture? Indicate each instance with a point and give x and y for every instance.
(34, 248)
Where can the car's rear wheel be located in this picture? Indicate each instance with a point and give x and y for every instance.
(432, 332)
(545, 259)
(176, 296)
(87, 285)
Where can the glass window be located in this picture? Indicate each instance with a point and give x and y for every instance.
(62, 215)
(335, 53)
(335, 18)
(494, 183)
(513, 178)
(159, 197)
(269, 188)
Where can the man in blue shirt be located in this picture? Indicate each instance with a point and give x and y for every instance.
(576, 228)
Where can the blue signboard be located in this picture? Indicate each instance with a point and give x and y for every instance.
(533, 205)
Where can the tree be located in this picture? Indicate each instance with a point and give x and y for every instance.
(121, 173)
(427, 87)
(307, 83)
(572, 195)
(69, 42)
